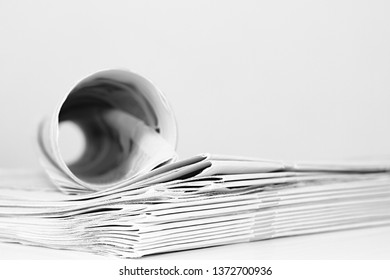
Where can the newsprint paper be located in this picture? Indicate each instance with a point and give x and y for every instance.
(128, 195)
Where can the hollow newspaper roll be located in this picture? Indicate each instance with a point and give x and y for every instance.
(130, 198)
(128, 126)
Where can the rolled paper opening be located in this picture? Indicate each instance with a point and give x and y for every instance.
(72, 142)
(116, 111)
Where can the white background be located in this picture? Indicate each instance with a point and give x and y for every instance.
(272, 79)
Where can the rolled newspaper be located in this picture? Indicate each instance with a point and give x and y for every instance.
(128, 126)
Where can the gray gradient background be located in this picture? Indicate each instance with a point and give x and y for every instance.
(272, 79)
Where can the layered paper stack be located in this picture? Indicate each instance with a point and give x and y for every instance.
(128, 196)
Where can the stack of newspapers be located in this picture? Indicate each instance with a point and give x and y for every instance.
(127, 195)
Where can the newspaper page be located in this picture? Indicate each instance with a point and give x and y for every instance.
(128, 194)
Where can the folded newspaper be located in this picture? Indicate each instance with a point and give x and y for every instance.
(127, 195)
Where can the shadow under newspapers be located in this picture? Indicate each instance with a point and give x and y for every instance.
(128, 196)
